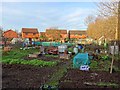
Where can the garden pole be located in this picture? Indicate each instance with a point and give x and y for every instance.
(112, 58)
(112, 63)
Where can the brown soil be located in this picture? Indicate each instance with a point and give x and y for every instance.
(24, 76)
(83, 79)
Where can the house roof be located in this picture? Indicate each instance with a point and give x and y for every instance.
(78, 32)
(9, 34)
(9, 30)
(51, 31)
(42, 33)
(63, 31)
(30, 30)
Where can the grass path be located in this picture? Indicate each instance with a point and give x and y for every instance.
(61, 70)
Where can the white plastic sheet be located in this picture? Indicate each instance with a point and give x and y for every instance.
(112, 48)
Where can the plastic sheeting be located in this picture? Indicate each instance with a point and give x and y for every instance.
(68, 44)
(81, 59)
(38, 43)
(62, 48)
(50, 43)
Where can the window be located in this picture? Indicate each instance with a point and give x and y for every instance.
(34, 33)
(26, 33)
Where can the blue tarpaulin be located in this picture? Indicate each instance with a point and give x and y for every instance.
(81, 59)
(51, 43)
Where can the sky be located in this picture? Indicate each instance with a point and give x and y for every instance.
(42, 15)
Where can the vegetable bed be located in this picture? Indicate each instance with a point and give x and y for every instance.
(30, 62)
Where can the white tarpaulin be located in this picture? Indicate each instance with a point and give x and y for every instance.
(62, 48)
(112, 48)
(14, 40)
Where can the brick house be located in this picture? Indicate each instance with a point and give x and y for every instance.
(77, 34)
(56, 34)
(31, 33)
(10, 34)
(63, 33)
(7, 36)
(43, 36)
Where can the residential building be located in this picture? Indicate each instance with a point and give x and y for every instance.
(56, 34)
(10, 34)
(77, 34)
(43, 36)
(31, 33)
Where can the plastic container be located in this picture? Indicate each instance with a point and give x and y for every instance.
(62, 48)
(75, 50)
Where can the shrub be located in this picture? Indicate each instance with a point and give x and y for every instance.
(94, 65)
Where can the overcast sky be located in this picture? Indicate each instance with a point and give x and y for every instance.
(42, 15)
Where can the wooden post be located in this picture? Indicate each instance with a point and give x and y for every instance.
(112, 58)
(112, 63)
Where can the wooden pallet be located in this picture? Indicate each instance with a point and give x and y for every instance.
(64, 56)
(7, 48)
(33, 55)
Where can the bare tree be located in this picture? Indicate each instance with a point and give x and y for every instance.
(1, 33)
(106, 9)
(89, 19)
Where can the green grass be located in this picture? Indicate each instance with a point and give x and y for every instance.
(17, 53)
(100, 65)
(15, 57)
(54, 80)
(33, 62)
(116, 68)
(108, 84)
(94, 65)
(51, 55)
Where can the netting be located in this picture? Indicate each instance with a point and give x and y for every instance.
(80, 59)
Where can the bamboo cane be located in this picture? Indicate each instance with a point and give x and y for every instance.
(112, 58)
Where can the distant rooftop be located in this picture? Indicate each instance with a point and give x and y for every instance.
(30, 30)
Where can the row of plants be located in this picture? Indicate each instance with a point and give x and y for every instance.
(33, 62)
(17, 53)
(47, 55)
(103, 65)
(107, 84)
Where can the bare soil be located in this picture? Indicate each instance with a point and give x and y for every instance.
(88, 79)
(42, 57)
(24, 76)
